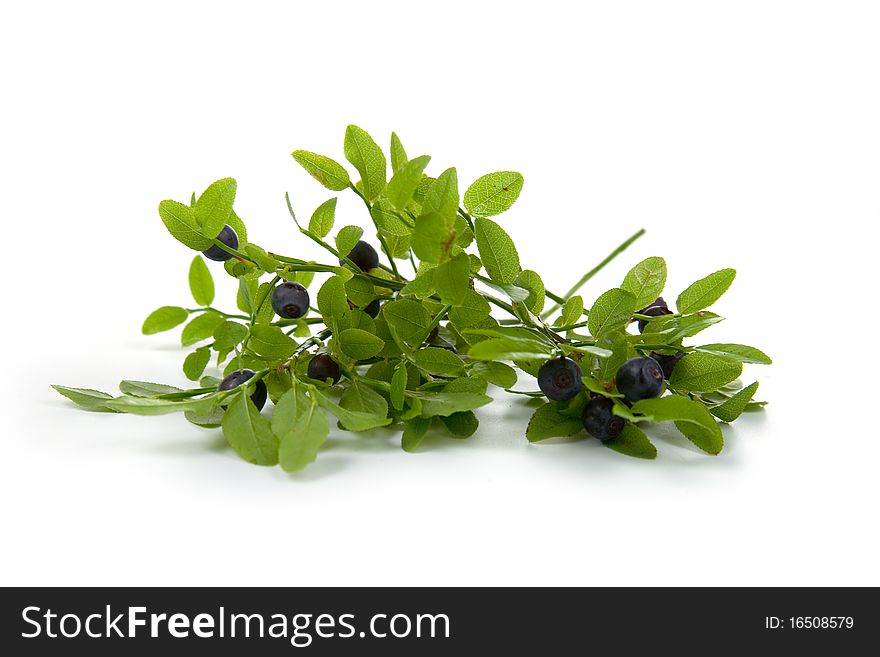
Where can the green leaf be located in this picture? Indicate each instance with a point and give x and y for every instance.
(328, 172)
(405, 180)
(247, 294)
(271, 342)
(367, 158)
(195, 363)
(734, 407)
(675, 328)
(442, 197)
(447, 403)
(741, 352)
(462, 425)
(509, 349)
(180, 220)
(472, 310)
(201, 283)
(705, 291)
(351, 420)
(359, 344)
(398, 154)
(214, 206)
(150, 406)
(441, 362)
(704, 432)
(499, 374)
(531, 281)
(248, 432)
(201, 327)
(346, 239)
(408, 320)
(360, 291)
(361, 398)
(91, 400)
(572, 311)
(452, 278)
(164, 319)
(323, 217)
(699, 372)
(332, 301)
(632, 441)
(430, 238)
(493, 193)
(497, 251)
(263, 260)
(398, 386)
(146, 389)
(301, 429)
(646, 280)
(414, 432)
(611, 312)
(228, 334)
(547, 422)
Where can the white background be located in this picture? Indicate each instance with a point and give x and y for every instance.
(738, 134)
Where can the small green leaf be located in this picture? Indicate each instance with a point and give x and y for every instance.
(91, 400)
(180, 220)
(150, 406)
(326, 171)
(472, 310)
(547, 422)
(447, 403)
(263, 260)
(248, 432)
(360, 291)
(271, 342)
(499, 374)
(497, 251)
(164, 319)
(531, 281)
(700, 372)
(611, 312)
(414, 432)
(451, 279)
(398, 386)
(332, 301)
(351, 420)
(572, 311)
(442, 197)
(461, 425)
(361, 398)
(431, 237)
(214, 206)
(408, 320)
(359, 344)
(367, 158)
(441, 362)
(734, 407)
(195, 363)
(228, 334)
(705, 291)
(405, 180)
(323, 217)
(301, 429)
(146, 389)
(646, 280)
(398, 154)
(346, 239)
(632, 441)
(705, 432)
(741, 352)
(201, 327)
(509, 349)
(493, 193)
(201, 283)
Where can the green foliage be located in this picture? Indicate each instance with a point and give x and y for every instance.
(417, 351)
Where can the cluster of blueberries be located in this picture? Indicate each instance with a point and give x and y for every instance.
(560, 379)
(291, 300)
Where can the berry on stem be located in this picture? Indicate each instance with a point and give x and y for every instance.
(639, 378)
(229, 238)
(364, 256)
(600, 420)
(667, 363)
(560, 378)
(656, 309)
(290, 300)
(323, 367)
(235, 379)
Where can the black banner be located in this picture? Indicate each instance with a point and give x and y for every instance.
(277, 621)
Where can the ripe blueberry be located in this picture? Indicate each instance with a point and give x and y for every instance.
(600, 421)
(364, 256)
(667, 363)
(290, 300)
(238, 377)
(322, 367)
(639, 378)
(560, 378)
(656, 309)
(229, 238)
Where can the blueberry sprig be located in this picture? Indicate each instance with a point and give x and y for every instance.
(356, 339)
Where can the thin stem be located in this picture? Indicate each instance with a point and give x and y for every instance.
(434, 322)
(378, 233)
(214, 310)
(467, 218)
(595, 270)
(238, 254)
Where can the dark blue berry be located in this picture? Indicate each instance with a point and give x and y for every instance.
(322, 367)
(560, 378)
(238, 377)
(290, 300)
(639, 378)
(229, 238)
(364, 256)
(667, 363)
(600, 421)
(656, 309)
(372, 308)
